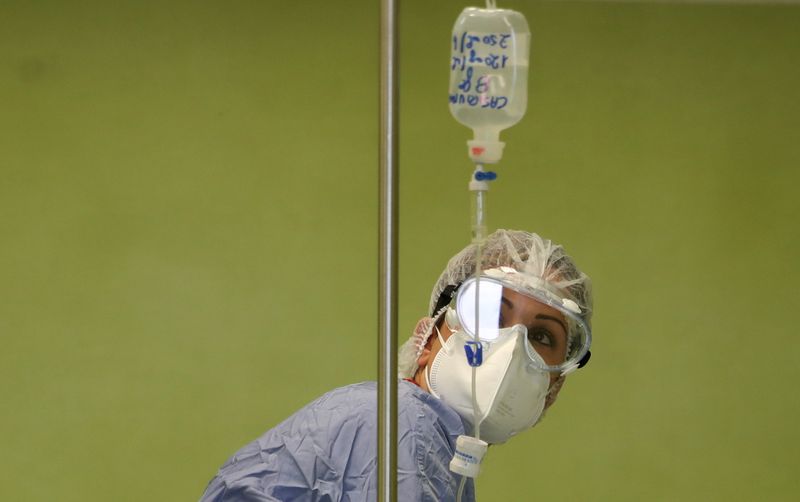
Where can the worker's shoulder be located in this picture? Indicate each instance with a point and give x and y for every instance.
(365, 395)
(355, 396)
(426, 414)
(414, 405)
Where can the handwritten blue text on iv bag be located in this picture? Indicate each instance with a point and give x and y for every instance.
(489, 70)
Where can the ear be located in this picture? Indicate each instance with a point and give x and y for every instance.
(423, 358)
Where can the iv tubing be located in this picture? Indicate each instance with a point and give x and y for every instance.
(461, 488)
(387, 258)
(478, 237)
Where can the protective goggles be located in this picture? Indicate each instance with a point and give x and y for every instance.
(559, 338)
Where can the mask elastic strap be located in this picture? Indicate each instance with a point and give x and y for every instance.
(428, 382)
(442, 341)
(428, 366)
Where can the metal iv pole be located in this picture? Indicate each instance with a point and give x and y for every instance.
(387, 260)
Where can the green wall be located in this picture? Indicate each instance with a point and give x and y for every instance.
(188, 235)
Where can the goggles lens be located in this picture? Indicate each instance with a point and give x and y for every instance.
(557, 336)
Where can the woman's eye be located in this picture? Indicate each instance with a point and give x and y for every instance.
(541, 337)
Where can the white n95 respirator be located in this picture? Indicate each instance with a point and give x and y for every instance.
(510, 389)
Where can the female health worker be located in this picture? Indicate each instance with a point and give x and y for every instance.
(534, 311)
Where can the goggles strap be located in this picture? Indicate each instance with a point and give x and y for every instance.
(585, 359)
(445, 297)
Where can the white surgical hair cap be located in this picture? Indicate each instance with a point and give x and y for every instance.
(525, 252)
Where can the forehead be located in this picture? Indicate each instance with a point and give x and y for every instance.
(523, 305)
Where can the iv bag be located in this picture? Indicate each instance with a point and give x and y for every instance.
(489, 76)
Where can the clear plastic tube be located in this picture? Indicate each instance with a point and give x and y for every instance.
(476, 424)
(478, 214)
(461, 488)
(478, 236)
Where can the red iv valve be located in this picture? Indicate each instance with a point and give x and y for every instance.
(489, 76)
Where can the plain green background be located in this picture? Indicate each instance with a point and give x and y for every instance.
(188, 226)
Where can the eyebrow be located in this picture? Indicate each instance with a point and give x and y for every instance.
(544, 317)
(551, 318)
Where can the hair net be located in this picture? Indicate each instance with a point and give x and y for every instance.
(525, 252)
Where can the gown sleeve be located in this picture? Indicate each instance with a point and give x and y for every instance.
(427, 431)
(327, 452)
(324, 452)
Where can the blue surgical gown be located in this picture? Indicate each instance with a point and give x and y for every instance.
(327, 452)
